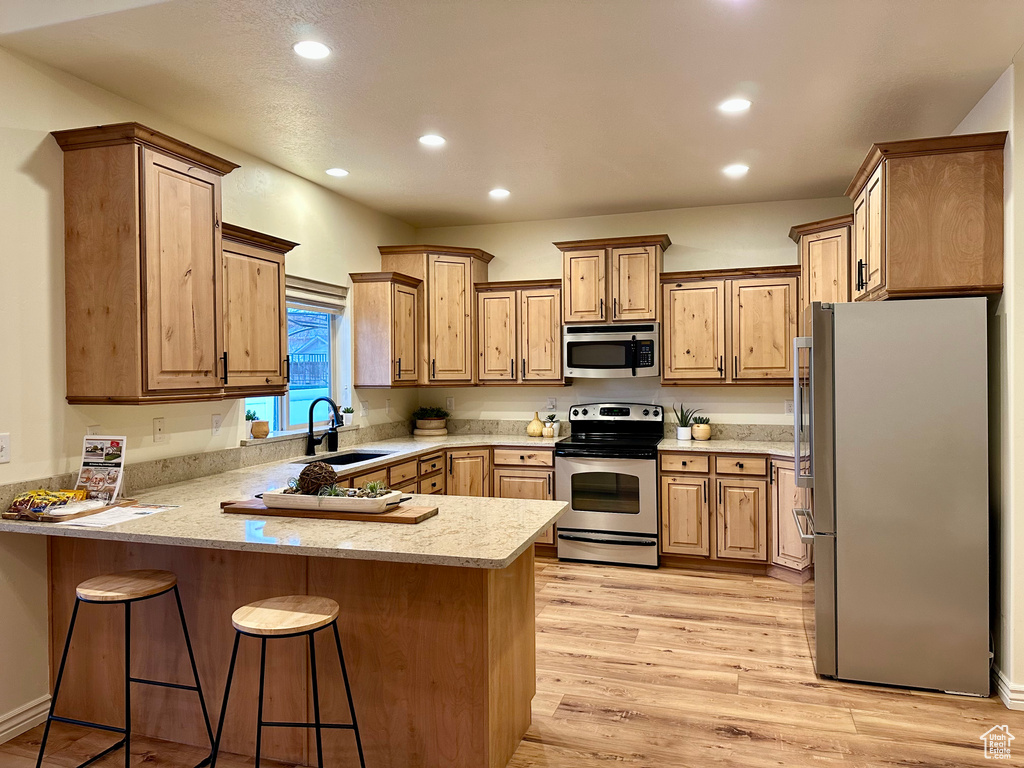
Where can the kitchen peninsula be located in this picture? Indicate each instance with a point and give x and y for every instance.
(437, 622)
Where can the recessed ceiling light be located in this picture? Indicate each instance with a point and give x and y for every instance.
(310, 49)
(734, 105)
(735, 170)
(337, 172)
(432, 140)
(499, 193)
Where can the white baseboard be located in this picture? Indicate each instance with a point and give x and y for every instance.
(1011, 693)
(19, 720)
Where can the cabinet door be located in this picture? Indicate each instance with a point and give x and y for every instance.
(541, 334)
(824, 262)
(536, 484)
(859, 246)
(693, 338)
(182, 274)
(255, 332)
(875, 195)
(684, 515)
(404, 334)
(763, 326)
(497, 322)
(787, 548)
(468, 473)
(583, 286)
(634, 284)
(742, 519)
(451, 331)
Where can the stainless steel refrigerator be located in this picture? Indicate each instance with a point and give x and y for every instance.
(891, 425)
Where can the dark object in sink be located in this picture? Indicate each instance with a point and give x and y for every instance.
(351, 458)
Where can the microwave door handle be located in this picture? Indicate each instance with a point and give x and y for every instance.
(633, 354)
(804, 480)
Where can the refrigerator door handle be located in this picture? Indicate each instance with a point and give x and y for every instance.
(803, 479)
(806, 536)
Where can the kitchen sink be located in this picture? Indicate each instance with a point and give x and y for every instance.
(348, 458)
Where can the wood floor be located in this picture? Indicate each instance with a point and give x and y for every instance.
(675, 669)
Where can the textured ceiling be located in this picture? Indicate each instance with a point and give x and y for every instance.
(578, 107)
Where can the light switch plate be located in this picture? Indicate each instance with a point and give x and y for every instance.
(159, 431)
(387, 406)
(552, 403)
(449, 404)
(5, 448)
(93, 429)
(364, 408)
(215, 423)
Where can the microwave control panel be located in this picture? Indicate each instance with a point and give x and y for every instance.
(645, 354)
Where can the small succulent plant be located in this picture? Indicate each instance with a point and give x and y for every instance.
(430, 412)
(685, 415)
(375, 488)
(333, 490)
(701, 420)
(551, 417)
(250, 415)
(348, 409)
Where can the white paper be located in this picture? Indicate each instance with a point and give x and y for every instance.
(117, 515)
(102, 467)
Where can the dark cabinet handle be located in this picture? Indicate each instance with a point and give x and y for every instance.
(721, 364)
(615, 307)
(862, 278)
(287, 368)
(512, 369)
(524, 369)
(735, 366)
(602, 308)
(550, 492)
(268, 380)
(739, 465)
(449, 465)
(719, 491)
(224, 357)
(433, 368)
(705, 484)
(398, 369)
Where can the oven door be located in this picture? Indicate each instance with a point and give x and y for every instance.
(607, 495)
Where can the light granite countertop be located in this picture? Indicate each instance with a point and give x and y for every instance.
(467, 532)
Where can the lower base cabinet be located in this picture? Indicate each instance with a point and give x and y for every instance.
(469, 473)
(684, 516)
(788, 549)
(519, 483)
(742, 519)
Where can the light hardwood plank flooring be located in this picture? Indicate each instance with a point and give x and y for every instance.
(675, 669)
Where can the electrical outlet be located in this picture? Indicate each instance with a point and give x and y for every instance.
(159, 433)
(364, 408)
(93, 429)
(387, 406)
(552, 403)
(789, 406)
(5, 448)
(216, 421)
(449, 404)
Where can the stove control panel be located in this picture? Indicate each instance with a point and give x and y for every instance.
(616, 412)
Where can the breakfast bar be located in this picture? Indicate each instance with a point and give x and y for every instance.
(437, 623)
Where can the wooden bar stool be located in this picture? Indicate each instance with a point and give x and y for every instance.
(125, 588)
(279, 617)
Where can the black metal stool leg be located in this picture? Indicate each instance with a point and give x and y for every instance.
(259, 710)
(195, 669)
(127, 684)
(224, 702)
(348, 692)
(316, 703)
(56, 685)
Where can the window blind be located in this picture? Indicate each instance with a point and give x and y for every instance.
(315, 294)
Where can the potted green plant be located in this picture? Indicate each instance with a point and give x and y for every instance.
(347, 414)
(701, 428)
(258, 428)
(685, 418)
(430, 420)
(550, 426)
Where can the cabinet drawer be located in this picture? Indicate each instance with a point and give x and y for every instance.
(407, 488)
(741, 465)
(401, 473)
(432, 484)
(430, 464)
(379, 476)
(523, 458)
(684, 462)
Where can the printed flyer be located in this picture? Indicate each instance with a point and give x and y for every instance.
(102, 467)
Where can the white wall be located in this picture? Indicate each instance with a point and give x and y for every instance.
(714, 237)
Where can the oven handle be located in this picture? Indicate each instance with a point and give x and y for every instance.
(616, 542)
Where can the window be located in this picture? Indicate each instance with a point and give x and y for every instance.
(314, 321)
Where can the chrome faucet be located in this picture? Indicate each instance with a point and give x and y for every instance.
(332, 431)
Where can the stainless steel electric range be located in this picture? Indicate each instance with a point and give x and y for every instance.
(607, 471)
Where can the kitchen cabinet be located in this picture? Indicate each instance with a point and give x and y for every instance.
(385, 316)
(742, 519)
(788, 549)
(824, 249)
(255, 318)
(928, 218)
(685, 515)
(446, 312)
(629, 295)
(519, 332)
(469, 473)
(729, 326)
(144, 269)
(523, 476)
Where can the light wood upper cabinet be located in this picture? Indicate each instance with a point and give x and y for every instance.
(635, 283)
(144, 280)
(583, 279)
(468, 473)
(742, 519)
(385, 316)
(630, 294)
(787, 548)
(763, 327)
(928, 218)
(824, 248)
(694, 330)
(685, 515)
(255, 321)
(519, 332)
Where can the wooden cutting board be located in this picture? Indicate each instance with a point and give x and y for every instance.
(400, 513)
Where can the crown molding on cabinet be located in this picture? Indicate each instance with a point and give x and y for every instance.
(662, 241)
(813, 227)
(252, 237)
(452, 250)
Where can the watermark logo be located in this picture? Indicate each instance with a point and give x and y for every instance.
(997, 742)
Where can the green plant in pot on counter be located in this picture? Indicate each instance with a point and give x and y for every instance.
(258, 428)
(550, 428)
(430, 419)
(701, 428)
(347, 414)
(685, 418)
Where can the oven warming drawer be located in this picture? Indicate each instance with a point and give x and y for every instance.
(609, 548)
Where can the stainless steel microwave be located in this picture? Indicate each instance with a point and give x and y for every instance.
(611, 351)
